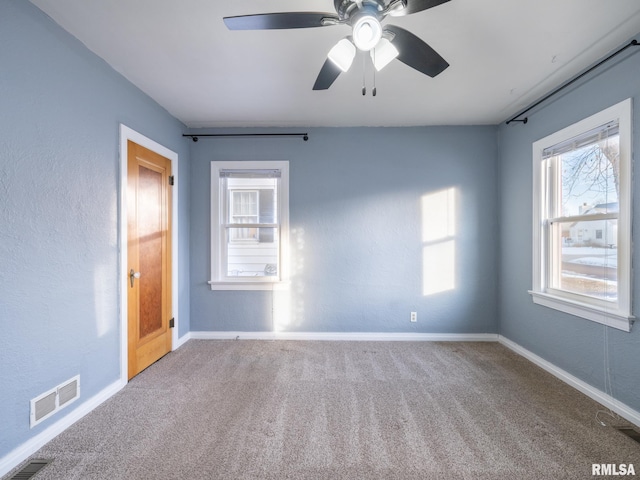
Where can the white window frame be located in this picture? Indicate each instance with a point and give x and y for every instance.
(219, 279)
(614, 314)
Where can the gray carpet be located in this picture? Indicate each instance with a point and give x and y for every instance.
(340, 410)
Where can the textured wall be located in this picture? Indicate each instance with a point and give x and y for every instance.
(356, 232)
(60, 109)
(572, 343)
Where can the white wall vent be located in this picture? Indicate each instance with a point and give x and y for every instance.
(69, 391)
(45, 405)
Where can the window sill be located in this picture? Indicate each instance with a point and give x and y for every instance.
(613, 318)
(261, 285)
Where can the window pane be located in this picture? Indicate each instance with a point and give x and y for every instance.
(585, 258)
(243, 234)
(252, 206)
(268, 206)
(590, 178)
(244, 203)
(252, 259)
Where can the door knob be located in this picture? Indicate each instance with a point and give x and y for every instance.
(133, 275)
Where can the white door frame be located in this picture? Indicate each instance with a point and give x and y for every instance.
(127, 134)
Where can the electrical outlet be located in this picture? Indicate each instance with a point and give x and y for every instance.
(414, 316)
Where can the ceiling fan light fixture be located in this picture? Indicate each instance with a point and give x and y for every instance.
(342, 54)
(383, 53)
(367, 32)
(364, 17)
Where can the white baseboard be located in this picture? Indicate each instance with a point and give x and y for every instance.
(21, 453)
(599, 396)
(181, 341)
(349, 336)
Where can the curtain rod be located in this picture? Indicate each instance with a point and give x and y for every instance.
(194, 137)
(524, 120)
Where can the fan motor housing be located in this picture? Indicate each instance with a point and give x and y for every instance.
(346, 8)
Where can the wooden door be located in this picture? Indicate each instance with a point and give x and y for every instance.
(149, 257)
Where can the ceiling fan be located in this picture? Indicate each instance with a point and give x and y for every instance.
(384, 43)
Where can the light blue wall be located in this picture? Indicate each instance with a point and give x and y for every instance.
(60, 109)
(356, 220)
(571, 343)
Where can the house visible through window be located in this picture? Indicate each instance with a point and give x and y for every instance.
(244, 209)
(249, 212)
(582, 206)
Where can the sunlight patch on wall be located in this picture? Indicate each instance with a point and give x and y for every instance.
(101, 301)
(288, 303)
(438, 239)
(281, 308)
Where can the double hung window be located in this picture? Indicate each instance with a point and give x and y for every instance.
(249, 223)
(582, 218)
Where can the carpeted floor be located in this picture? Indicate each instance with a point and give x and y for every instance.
(340, 410)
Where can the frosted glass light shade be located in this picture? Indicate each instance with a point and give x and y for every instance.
(342, 54)
(383, 53)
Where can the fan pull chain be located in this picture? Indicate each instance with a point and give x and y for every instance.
(364, 71)
(374, 72)
(364, 74)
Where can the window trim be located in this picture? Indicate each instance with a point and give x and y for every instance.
(218, 280)
(614, 314)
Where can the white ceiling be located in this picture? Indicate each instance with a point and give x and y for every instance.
(504, 54)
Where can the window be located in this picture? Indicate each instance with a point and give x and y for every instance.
(249, 224)
(582, 218)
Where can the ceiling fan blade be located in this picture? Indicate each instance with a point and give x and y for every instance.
(328, 74)
(271, 21)
(414, 6)
(338, 60)
(416, 53)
